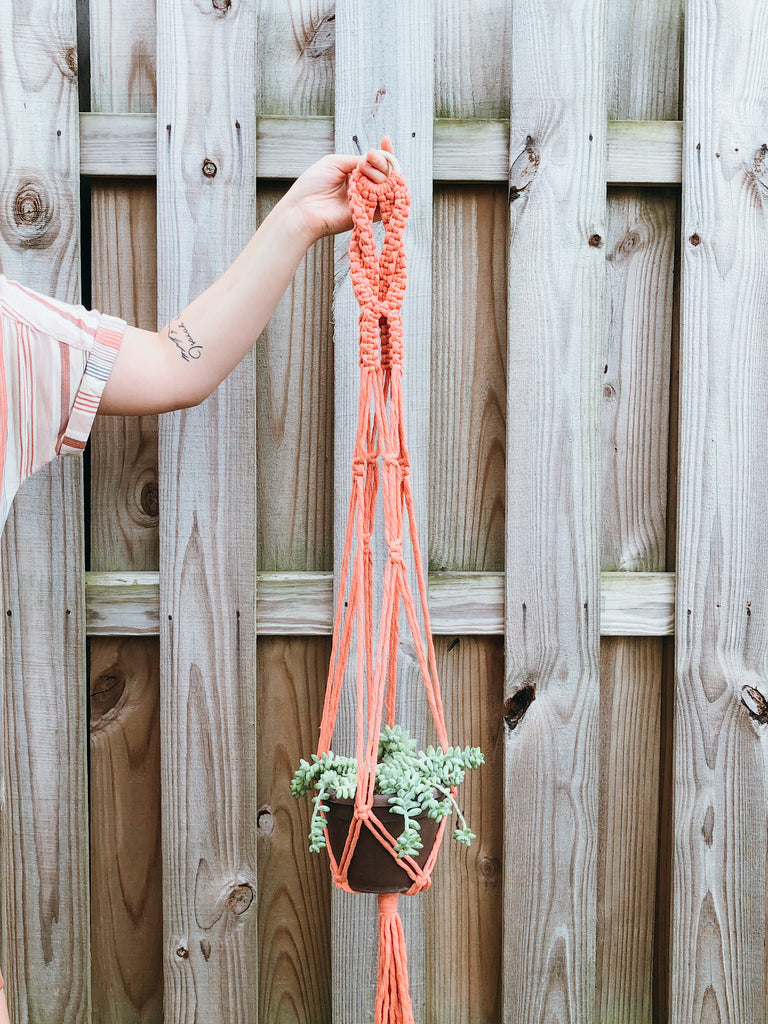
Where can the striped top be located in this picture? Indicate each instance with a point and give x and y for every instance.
(55, 359)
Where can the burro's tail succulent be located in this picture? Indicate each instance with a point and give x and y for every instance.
(417, 782)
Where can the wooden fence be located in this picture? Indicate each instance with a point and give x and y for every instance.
(589, 445)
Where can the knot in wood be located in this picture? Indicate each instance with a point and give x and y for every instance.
(107, 690)
(30, 220)
(523, 170)
(240, 899)
(595, 241)
(755, 703)
(149, 502)
(323, 39)
(70, 61)
(265, 822)
(695, 239)
(517, 705)
(29, 205)
(209, 168)
(182, 953)
(222, 6)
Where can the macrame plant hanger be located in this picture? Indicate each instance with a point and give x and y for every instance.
(379, 284)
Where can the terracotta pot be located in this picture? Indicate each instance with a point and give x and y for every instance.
(373, 868)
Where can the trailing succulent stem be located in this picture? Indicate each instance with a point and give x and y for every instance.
(416, 781)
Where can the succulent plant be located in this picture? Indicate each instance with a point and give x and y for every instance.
(416, 782)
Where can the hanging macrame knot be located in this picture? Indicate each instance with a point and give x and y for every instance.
(393, 1001)
(379, 282)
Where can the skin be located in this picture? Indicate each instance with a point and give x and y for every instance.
(179, 366)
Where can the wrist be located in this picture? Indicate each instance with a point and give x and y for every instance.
(296, 221)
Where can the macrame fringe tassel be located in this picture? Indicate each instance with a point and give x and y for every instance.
(393, 1003)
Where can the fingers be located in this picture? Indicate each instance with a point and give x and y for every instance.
(379, 163)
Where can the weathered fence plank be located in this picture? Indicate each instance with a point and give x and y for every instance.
(294, 885)
(466, 149)
(719, 866)
(208, 534)
(126, 891)
(294, 416)
(466, 505)
(384, 84)
(460, 603)
(556, 326)
(45, 905)
(643, 81)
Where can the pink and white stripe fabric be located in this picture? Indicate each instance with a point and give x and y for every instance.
(55, 359)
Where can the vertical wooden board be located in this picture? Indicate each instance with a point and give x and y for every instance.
(466, 532)
(466, 505)
(472, 52)
(384, 85)
(208, 533)
(719, 862)
(45, 836)
(294, 884)
(556, 324)
(462, 907)
(127, 926)
(635, 384)
(644, 42)
(630, 703)
(635, 379)
(644, 60)
(468, 386)
(124, 510)
(294, 413)
(297, 40)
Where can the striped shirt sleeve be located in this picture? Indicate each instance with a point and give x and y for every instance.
(55, 359)
(101, 358)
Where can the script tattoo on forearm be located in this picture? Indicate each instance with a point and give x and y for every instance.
(184, 341)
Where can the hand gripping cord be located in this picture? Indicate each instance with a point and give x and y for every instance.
(379, 284)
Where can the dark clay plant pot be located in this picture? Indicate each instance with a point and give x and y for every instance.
(373, 868)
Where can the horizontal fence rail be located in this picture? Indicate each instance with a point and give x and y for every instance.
(301, 603)
(639, 152)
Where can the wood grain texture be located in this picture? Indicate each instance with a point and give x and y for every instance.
(295, 72)
(208, 530)
(45, 905)
(472, 54)
(630, 702)
(466, 494)
(643, 83)
(295, 418)
(294, 885)
(468, 150)
(384, 85)
(718, 927)
(556, 326)
(294, 409)
(466, 503)
(463, 916)
(127, 925)
(301, 603)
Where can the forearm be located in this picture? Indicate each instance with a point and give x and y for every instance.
(221, 325)
(181, 365)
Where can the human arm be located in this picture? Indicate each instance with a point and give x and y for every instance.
(183, 363)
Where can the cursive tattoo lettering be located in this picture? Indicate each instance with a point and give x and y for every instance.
(184, 341)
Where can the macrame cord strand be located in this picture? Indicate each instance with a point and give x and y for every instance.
(380, 461)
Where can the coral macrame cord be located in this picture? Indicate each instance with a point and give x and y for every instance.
(379, 283)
